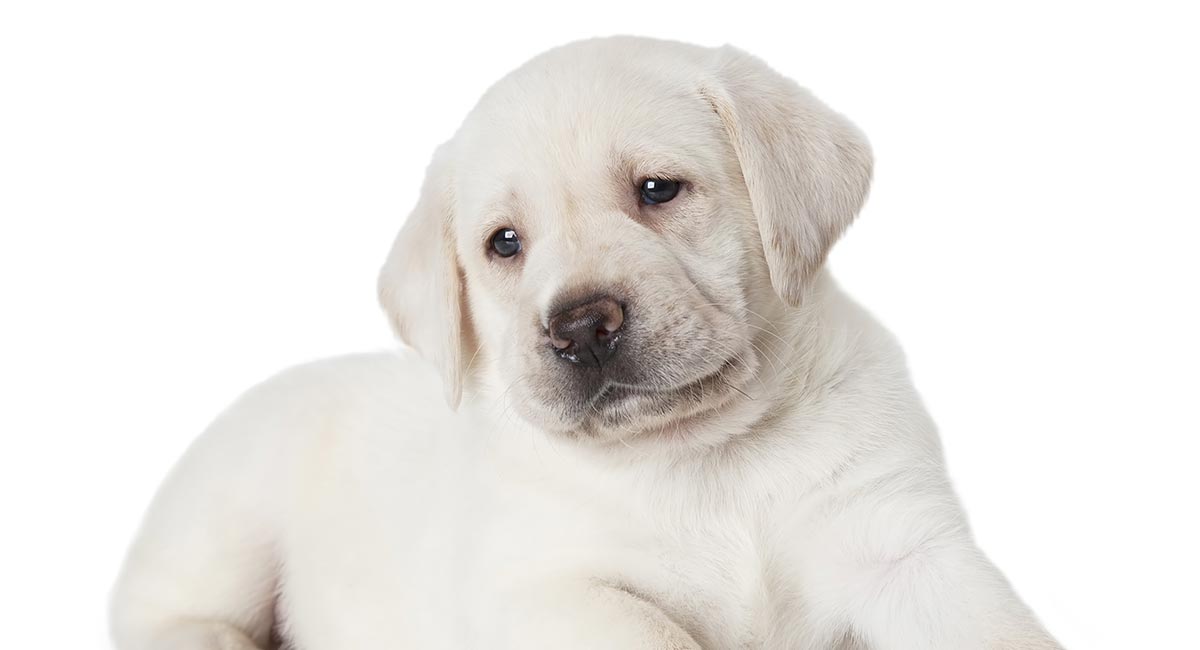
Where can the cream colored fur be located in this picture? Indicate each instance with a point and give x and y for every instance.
(772, 481)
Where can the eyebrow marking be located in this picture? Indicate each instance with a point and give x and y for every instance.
(501, 212)
(637, 163)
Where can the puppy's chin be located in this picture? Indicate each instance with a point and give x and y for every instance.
(620, 414)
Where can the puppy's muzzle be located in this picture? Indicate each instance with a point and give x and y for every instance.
(587, 334)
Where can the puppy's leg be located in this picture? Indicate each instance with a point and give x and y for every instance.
(902, 572)
(201, 574)
(197, 635)
(586, 615)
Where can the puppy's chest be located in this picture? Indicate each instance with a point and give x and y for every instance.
(708, 577)
(702, 565)
(698, 558)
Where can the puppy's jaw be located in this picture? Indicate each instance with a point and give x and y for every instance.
(617, 413)
(662, 416)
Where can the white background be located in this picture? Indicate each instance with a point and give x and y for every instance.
(195, 195)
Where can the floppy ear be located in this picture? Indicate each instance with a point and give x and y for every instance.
(806, 167)
(421, 286)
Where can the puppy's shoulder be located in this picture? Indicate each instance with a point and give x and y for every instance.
(323, 410)
(354, 381)
(349, 387)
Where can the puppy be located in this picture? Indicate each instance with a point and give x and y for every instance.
(660, 424)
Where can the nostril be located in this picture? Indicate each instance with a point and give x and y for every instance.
(613, 319)
(559, 343)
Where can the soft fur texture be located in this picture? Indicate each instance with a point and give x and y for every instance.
(761, 473)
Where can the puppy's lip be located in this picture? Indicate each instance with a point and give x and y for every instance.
(615, 393)
(673, 421)
(726, 366)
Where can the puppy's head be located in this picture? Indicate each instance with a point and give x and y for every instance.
(600, 236)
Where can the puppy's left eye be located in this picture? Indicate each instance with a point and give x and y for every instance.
(506, 242)
(658, 190)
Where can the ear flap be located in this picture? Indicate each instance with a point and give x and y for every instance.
(421, 286)
(806, 167)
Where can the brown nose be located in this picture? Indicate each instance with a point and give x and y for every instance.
(587, 333)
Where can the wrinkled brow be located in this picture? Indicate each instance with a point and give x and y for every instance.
(637, 163)
(502, 210)
(628, 166)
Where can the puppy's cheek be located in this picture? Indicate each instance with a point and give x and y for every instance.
(542, 398)
(675, 347)
(545, 415)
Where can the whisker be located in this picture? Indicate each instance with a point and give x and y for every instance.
(739, 391)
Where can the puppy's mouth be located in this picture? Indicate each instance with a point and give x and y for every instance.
(622, 406)
(613, 393)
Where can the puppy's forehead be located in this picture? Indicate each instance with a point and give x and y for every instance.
(585, 110)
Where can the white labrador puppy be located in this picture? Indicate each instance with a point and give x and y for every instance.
(666, 426)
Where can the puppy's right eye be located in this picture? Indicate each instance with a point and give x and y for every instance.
(506, 243)
(658, 190)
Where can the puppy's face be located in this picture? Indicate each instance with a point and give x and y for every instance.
(606, 245)
(598, 240)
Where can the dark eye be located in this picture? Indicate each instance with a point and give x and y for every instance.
(658, 190)
(506, 243)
